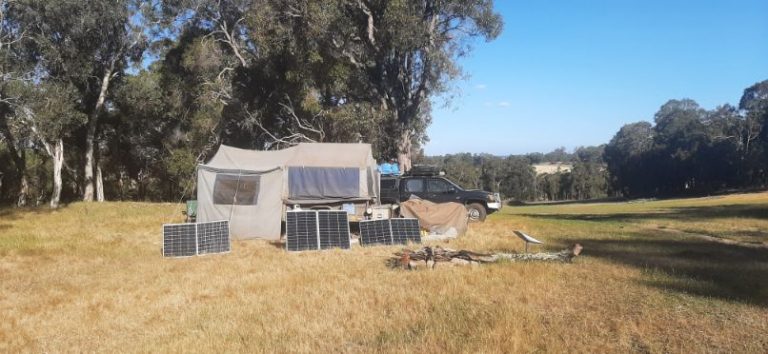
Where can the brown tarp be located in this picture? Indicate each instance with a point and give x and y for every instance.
(437, 218)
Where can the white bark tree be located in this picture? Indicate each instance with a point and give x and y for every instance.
(50, 113)
(85, 45)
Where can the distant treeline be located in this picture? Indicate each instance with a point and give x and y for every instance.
(515, 176)
(686, 151)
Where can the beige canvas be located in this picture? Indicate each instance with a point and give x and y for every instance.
(262, 220)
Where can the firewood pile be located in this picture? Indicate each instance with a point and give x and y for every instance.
(431, 257)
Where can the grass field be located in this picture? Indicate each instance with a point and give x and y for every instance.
(663, 276)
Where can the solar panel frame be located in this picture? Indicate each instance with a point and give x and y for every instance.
(179, 240)
(194, 239)
(213, 237)
(333, 229)
(405, 230)
(301, 231)
(398, 231)
(375, 232)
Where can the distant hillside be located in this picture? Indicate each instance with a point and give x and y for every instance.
(552, 167)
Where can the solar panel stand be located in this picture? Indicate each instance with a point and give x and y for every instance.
(391, 233)
(197, 241)
(317, 227)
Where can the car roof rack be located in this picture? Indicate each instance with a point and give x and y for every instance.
(425, 170)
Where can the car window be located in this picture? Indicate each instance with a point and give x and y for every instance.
(387, 184)
(414, 185)
(438, 186)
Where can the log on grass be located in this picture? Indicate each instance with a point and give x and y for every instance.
(429, 257)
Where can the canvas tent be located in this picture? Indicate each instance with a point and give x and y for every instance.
(251, 188)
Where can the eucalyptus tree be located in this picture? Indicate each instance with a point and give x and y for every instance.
(88, 45)
(14, 72)
(754, 105)
(340, 70)
(49, 110)
(625, 156)
(265, 75)
(406, 53)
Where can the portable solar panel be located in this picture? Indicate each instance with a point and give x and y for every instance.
(213, 237)
(186, 240)
(405, 230)
(333, 227)
(179, 240)
(389, 232)
(375, 232)
(301, 231)
(316, 230)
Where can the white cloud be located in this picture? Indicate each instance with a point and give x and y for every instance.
(504, 104)
(487, 104)
(481, 86)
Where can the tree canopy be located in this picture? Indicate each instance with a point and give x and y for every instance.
(121, 99)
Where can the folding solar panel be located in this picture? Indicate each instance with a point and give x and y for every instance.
(213, 237)
(179, 240)
(316, 230)
(186, 240)
(389, 232)
(301, 231)
(405, 230)
(333, 226)
(375, 232)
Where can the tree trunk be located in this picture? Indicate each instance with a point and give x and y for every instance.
(23, 190)
(58, 163)
(88, 170)
(90, 137)
(121, 185)
(404, 151)
(430, 257)
(99, 184)
(19, 159)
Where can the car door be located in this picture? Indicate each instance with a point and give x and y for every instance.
(441, 191)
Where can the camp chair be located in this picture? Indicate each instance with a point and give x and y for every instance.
(191, 211)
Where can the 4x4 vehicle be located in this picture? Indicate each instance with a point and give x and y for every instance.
(438, 189)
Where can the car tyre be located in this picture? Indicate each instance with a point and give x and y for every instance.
(477, 212)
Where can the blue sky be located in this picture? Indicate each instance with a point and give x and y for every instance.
(572, 72)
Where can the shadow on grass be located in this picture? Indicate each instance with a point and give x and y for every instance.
(568, 202)
(12, 214)
(753, 211)
(697, 267)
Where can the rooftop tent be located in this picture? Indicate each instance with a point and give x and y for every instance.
(250, 187)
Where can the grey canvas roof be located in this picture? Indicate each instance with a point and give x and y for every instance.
(306, 154)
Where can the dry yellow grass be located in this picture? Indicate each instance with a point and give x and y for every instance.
(90, 277)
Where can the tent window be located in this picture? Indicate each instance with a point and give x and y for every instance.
(236, 190)
(323, 182)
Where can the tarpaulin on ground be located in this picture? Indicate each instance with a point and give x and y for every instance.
(437, 217)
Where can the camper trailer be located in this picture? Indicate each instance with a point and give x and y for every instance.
(253, 189)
